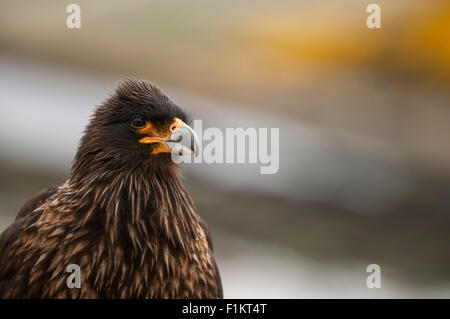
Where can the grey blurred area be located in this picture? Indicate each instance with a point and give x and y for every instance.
(364, 174)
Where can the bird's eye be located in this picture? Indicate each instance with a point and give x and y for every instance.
(138, 122)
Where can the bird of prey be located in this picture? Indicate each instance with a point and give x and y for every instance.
(123, 216)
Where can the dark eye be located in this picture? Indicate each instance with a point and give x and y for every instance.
(138, 122)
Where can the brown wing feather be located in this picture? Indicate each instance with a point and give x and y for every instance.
(12, 283)
(16, 284)
(34, 202)
(204, 225)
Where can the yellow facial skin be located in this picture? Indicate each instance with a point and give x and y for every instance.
(158, 135)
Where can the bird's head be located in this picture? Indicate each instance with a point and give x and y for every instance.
(136, 125)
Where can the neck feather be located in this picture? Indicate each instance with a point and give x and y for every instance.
(143, 201)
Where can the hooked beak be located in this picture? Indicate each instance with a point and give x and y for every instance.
(180, 139)
(183, 141)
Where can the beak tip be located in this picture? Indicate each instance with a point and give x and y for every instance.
(194, 147)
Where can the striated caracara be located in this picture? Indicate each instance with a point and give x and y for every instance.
(123, 216)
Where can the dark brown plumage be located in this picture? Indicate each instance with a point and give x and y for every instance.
(123, 215)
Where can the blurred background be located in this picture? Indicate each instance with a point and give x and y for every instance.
(364, 118)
